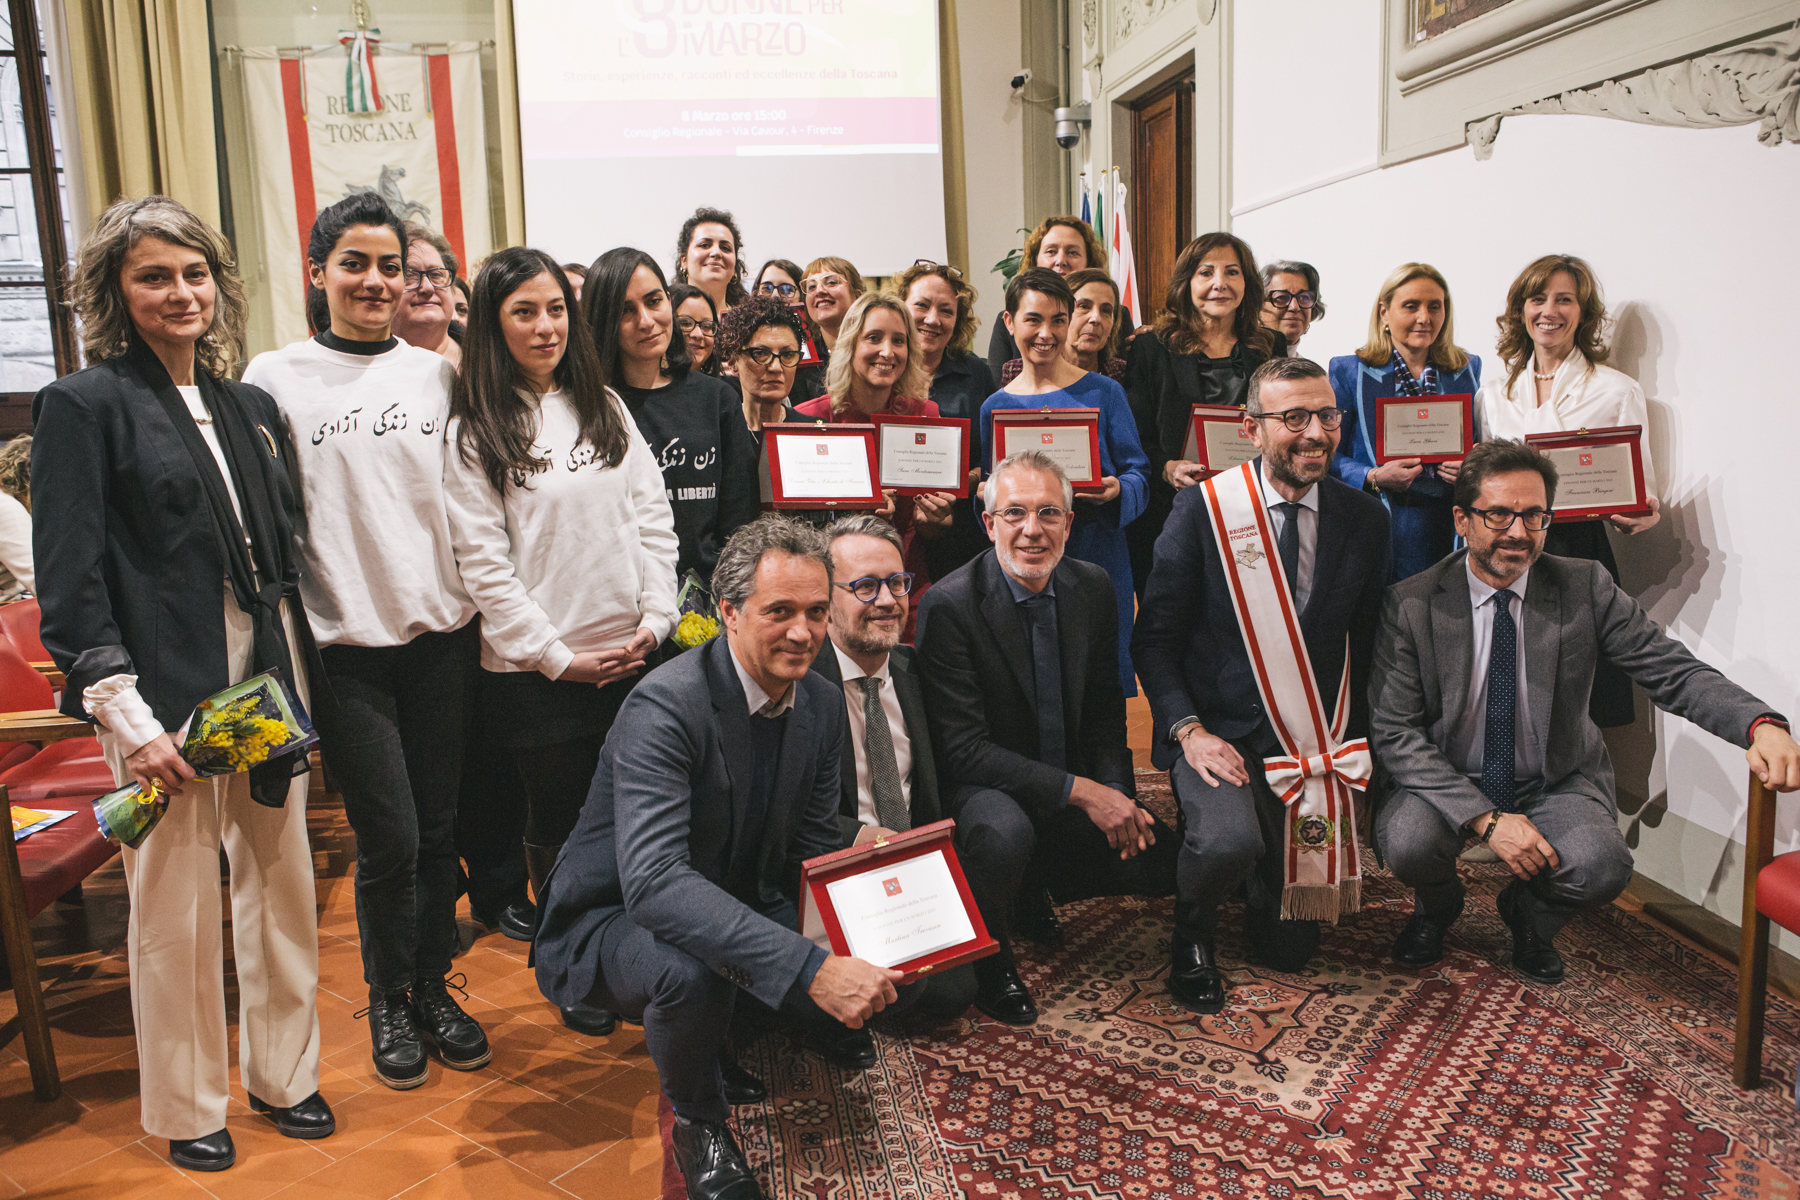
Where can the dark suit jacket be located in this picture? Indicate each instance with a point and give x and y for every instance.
(1574, 614)
(130, 570)
(1189, 651)
(657, 841)
(974, 658)
(901, 671)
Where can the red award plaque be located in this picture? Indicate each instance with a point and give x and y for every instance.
(1431, 429)
(815, 465)
(1600, 472)
(1071, 436)
(1217, 438)
(900, 902)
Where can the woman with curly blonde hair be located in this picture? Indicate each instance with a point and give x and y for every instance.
(1555, 325)
(154, 478)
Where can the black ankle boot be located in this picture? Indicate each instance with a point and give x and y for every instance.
(442, 1022)
(398, 1051)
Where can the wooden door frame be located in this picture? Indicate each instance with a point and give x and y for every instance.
(1182, 85)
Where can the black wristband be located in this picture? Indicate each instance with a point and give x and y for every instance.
(1489, 831)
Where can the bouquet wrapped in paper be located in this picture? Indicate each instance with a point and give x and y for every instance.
(238, 729)
(699, 622)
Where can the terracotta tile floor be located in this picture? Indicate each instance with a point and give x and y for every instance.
(554, 1114)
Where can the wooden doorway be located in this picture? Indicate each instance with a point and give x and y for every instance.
(1162, 185)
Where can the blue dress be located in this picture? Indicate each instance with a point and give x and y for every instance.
(1421, 526)
(1099, 533)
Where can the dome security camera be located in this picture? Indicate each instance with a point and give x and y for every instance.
(1069, 124)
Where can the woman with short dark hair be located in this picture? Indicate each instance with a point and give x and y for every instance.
(692, 422)
(427, 305)
(168, 570)
(761, 338)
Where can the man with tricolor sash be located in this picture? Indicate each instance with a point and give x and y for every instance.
(1254, 643)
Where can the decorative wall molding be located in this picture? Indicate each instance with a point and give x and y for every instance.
(1130, 16)
(1090, 30)
(1757, 81)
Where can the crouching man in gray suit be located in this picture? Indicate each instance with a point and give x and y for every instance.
(1479, 716)
(678, 888)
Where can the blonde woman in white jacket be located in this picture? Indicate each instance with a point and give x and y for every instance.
(565, 540)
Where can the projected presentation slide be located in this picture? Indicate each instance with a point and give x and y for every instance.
(632, 109)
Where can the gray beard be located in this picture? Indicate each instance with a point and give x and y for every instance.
(1485, 560)
(1013, 568)
(863, 640)
(1281, 468)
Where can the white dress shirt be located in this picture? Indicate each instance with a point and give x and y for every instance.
(1582, 396)
(1468, 734)
(1309, 531)
(754, 696)
(859, 734)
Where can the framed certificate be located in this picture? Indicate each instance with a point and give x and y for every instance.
(923, 454)
(809, 353)
(1217, 440)
(900, 903)
(1071, 436)
(1599, 472)
(821, 466)
(1429, 428)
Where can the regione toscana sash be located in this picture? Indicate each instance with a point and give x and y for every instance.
(1315, 779)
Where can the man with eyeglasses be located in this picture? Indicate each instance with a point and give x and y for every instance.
(1254, 644)
(1480, 717)
(1019, 655)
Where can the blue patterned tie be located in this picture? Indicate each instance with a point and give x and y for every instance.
(1502, 707)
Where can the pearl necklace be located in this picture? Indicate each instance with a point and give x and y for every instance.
(1535, 375)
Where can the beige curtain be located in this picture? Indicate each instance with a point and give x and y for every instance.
(143, 101)
(956, 196)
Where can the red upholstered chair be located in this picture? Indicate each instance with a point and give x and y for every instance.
(1771, 893)
(20, 620)
(69, 769)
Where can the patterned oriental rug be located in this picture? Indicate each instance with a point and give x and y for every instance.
(1352, 1078)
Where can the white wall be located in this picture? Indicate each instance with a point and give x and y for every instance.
(993, 154)
(1691, 233)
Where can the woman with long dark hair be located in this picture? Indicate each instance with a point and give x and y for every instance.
(167, 570)
(692, 422)
(697, 321)
(393, 622)
(564, 538)
(1203, 347)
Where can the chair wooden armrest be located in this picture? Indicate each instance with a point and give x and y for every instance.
(1753, 948)
(48, 671)
(41, 725)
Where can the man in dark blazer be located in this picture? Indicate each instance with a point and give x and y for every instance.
(889, 772)
(1479, 701)
(1212, 731)
(1018, 652)
(678, 888)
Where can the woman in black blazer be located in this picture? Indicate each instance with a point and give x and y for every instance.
(167, 570)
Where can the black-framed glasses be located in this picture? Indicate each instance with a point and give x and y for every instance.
(784, 290)
(1047, 515)
(1501, 519)
(438, 276)
(1297, 419)
(689, 324)
(762, 356)
(926, 262)
(868, 588)
(1305, 300)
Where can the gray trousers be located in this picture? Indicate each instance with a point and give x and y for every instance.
(1229, 829)
(1421, 845)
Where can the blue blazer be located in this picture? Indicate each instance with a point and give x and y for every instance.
(1358, 386)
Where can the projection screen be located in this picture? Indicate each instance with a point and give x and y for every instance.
(815, 121)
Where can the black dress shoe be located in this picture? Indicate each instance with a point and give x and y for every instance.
(711, 1163)
(741, 1087)
(1002, 995)
(311, 1118)
(1421, 943)
(1285, 946)
(1034, 918)
(841, 1046)
(398, 1052)
(442, 1023)
(1194, 978)
(515, 920)
(1533, 956)
(589, 1019)
(214, 1152)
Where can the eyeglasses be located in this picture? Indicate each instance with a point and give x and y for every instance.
(439, 277)
(1297, 419)
(783, 290)
(762, 356)
(869, 587)
(1305, 300)
(926, 262)
(1047, 515)
(689, 324)
(817, 282)
(1500, 519)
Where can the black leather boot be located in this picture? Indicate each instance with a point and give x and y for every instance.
(581, 1016)
(398, 1051)
(711, 1163)
(1194, 978)
(1534, 956)
(442, 1022)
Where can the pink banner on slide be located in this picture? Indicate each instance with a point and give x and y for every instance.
(673, 128)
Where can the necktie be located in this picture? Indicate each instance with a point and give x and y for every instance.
(1502, 716)
(884, 768)
(1290, 544)
(1046, 663)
